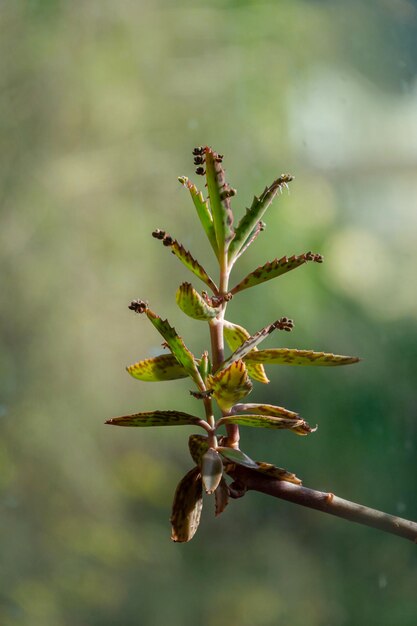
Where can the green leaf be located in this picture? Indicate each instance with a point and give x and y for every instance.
(158, 368)
(249, 221)
(235, 335)
(187, 507)
(266, 421)
(203, 211)
(287, 356)
(237, 456)
(221, 496)
(177, 346)
(197, 445)
(219, 196)
(156, 418)
(230, 385)
(250, 343)
(192, 304)
(204, 366)
(185, 257)
(211, 470)
(275, 268)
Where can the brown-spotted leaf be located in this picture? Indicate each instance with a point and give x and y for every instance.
(192, 304)
(158, 368)
(219, 197)
(156, 418)
(185, 257)
(275, 268)
(277, 472)
(203, 211)
(177, 347)
(221, 496)
(198, 446)
(187, 506)
(266, 421)
(211, 470)
(287, 356)
(248, 222)
(299, 425)
(250, 343)
(235, 335)
(230, 385)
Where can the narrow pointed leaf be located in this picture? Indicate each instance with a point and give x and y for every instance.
(156, 418)
(250, 343)
(299, 426)
(240, 458)
(237, 456)
(187, 506)
(203, 211)
(235, 335)
(252, 216)
(192, 304)
(219, 200)
(286, 356)
(221, 496)
(275, 268)
(177, 346)
(158, 368)
(185, 257)
(230, 385)
(198, 446)
(211, 470)
(277, 472)
(265, 409)
(204, 366)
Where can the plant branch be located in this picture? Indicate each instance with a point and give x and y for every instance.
(325, 502)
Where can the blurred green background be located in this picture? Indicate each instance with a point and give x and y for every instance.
(101, 103)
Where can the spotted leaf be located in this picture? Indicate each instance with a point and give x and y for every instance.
(275, 268)
(219, 197)
(156, 418)
(287, 356)
(192, 304)
(236, 335)
(221, 497)
(198, 446)
(230, 385)
(187, 506)
(248, 222)
(266, 421)
(158, 368)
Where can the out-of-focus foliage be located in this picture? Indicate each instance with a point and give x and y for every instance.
(101, 103)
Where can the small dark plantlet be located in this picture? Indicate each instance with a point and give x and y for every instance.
(225, 381)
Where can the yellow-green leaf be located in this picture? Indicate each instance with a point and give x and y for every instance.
(203, 211)
(211, 470)
(275, 268)
(177, 346)
(158, 368)
(235, 335)
(230, 385)
(156, 418)
(288, 419)
(192, 304)
(287, 356)
(187, 506)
